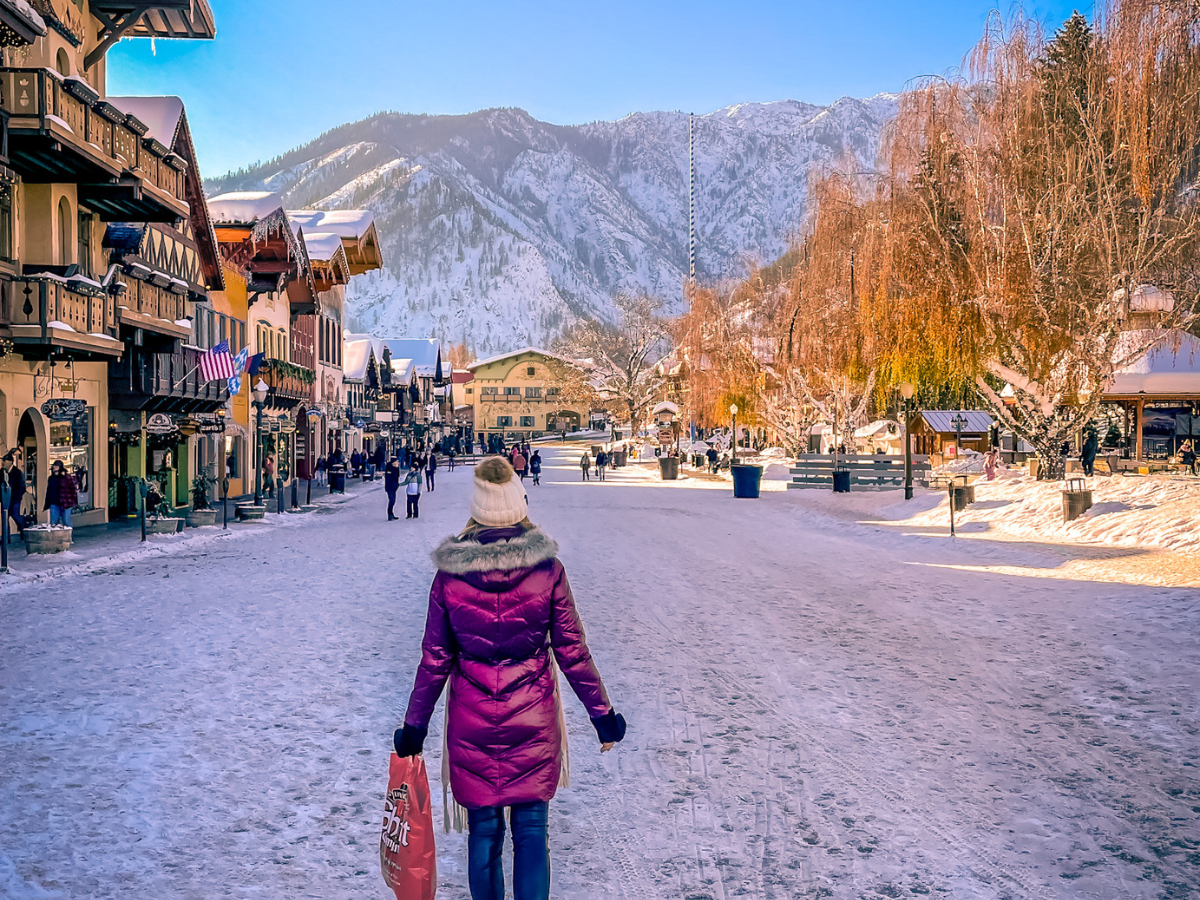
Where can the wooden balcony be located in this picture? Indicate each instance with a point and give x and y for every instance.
(61, 131)
(153, 308)
(164, 382)
(289, 384)
(48, 311)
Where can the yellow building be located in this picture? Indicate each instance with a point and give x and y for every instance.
(512, 397)
(74, 162)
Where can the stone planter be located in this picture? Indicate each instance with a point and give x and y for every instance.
(47, 540)
(164, 525)
(199, 518)
(248, 511)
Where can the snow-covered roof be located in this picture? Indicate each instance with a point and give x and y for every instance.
(25, 13)
(666, 406)
(1171, 368)
(356, 356)
(160, 115)
(347, 223)
(322, 245)
(942, 420)
(244, 207)
(424, 353)
(402, 370)
(479, 363)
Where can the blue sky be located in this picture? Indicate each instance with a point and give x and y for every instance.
(280, 73)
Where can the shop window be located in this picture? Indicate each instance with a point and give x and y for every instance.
(84, 252)
(71, 442)
(6, 222)
(64, 231)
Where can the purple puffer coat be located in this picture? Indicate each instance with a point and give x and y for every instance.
(497, 609)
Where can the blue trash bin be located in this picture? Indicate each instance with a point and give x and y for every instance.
(841, 481)
(746, 479)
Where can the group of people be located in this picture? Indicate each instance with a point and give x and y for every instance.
(62, 492)
(411, 471)
(525, 462)
(601, 462)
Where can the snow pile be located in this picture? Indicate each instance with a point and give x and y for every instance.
(1152, 512)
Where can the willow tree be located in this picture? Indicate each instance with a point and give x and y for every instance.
(1027, 207)
(616, 366)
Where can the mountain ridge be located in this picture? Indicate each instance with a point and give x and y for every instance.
(499, 229)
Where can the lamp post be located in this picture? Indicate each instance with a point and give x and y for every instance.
(733, 414)
(959, 422)
(906, 391)
(260, 401)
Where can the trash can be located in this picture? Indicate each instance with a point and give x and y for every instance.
(746, 480)
(669, 466)
(337, 479)
(1076, 499)
(596, 448)
(619, 458)
(964, 496)
(841, 480)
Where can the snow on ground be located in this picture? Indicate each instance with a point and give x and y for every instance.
(822, 703)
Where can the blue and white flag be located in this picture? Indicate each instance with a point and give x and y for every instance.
(239, 365)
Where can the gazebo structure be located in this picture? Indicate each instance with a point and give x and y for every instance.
(1160, 397)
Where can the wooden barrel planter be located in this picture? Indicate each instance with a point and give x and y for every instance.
(200, 518)
(47, 540)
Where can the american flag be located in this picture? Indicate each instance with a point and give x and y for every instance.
(217, 363)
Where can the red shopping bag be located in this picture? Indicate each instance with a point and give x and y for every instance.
(407, 855)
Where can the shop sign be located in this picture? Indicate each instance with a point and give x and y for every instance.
(314, 416)
(63, 409)
(160, 423)
(273, 426)
(287, 426)
(211, 428)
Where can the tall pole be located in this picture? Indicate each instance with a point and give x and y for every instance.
(258, 446)
(691, 198)
(733, 461)
(5, 500)
(908, 485)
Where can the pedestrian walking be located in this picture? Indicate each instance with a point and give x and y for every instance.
(412, 491)
(16, 484)
(321, 468)
(519, 463)
(501, 622)
(990, 460)
(712, 456)
(535, 466)
(430, 468)
(450, 460)
(380, 458)
(585, 465)
(269, 474)
(601, 463)
(1087, 455)
(62, 495)
(391, 484)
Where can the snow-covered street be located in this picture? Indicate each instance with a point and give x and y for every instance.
(817, 708)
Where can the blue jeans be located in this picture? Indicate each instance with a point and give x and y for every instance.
(60, 515)
(531, 855)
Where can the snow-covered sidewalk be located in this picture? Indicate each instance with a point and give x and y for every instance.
(821, 704)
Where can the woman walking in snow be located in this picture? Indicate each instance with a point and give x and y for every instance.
(501, 616)
(535, 466)
(585, 464)
(431, 469)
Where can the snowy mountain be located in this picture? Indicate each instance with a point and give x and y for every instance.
(499, 230)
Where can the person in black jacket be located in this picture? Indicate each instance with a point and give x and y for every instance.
(1087, 456)
(391, 484)
(16, 483)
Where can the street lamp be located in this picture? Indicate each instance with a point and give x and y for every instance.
(959, 422)
(733, 414)
(907, 391)
(260, 401)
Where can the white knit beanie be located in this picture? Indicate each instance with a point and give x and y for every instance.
(499, 497)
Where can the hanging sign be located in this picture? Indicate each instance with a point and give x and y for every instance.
(273, 426)
(287, 426)
(63, 409)
(314, 415)
(212, 428)
(160, 423)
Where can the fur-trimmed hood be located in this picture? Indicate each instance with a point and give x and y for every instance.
(459, 556)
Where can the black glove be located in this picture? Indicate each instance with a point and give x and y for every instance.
(610, 727)
(409, 740)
